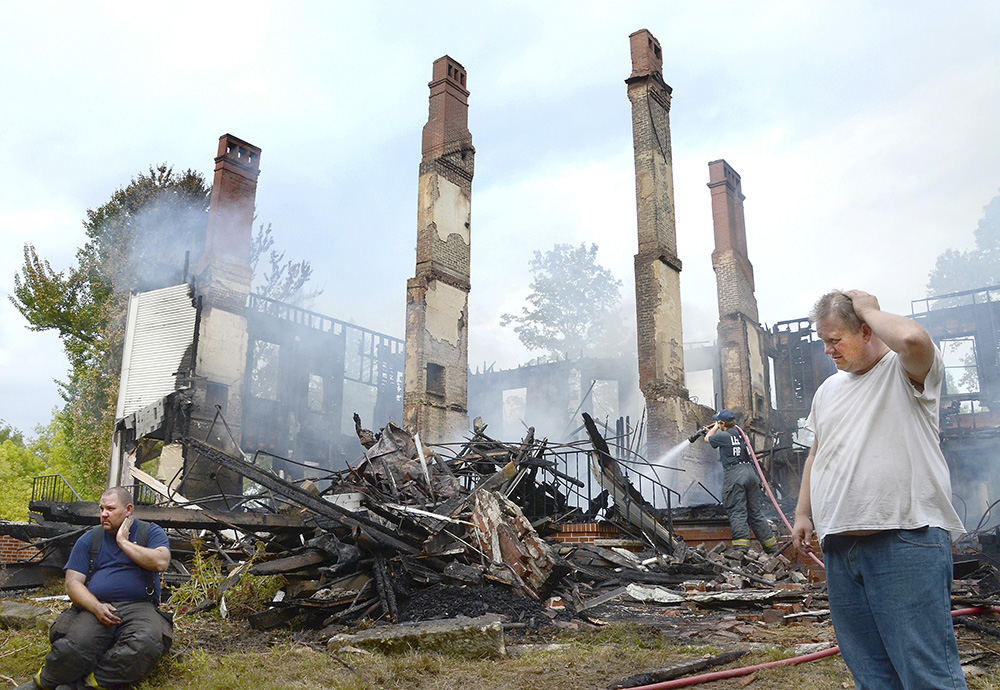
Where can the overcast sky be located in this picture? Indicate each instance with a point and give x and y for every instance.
(865, 135)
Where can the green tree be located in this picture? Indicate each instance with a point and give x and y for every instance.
(957, 270)
(139, 239)
(49, 453)
(574, 308)
(17, 466)
(9, 433)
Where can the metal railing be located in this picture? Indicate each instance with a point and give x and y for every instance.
(144, 495)
(552, 494)
(962, 298)
(54, 488)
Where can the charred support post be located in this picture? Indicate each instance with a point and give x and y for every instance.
(223, 285)
(742, 342)
(657, 267)
(435, 397)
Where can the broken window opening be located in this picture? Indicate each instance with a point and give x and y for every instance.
(314, 394)
(515, 405)
(961, 370)
(360, 398)
(264, 370)
(435, 379)
(216, 394)
(604, 399)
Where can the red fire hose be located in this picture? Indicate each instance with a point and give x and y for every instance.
(747, 670)
(770, 494)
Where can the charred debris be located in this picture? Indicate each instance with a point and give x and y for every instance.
(414, 532)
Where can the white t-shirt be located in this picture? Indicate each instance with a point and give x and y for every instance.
(878, 461)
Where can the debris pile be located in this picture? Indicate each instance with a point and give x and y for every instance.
(416, 533)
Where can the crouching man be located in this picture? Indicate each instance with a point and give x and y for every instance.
(114, 633)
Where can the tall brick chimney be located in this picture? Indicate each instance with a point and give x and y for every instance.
(230, 217)
(435, 396)
(657, 266)
(742, 342)
(223, 283)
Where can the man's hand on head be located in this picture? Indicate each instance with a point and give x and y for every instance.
(862, 302)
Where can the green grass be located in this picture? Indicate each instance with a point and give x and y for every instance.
(583, 659)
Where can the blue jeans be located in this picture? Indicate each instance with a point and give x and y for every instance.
(890, 602)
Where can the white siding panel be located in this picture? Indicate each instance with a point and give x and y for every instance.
(159, 331)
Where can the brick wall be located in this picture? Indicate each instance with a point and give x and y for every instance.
(11, 550)
(587, 532)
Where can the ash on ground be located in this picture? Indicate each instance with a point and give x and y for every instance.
(447, 601)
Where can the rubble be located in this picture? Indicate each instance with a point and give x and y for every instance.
(464, 532)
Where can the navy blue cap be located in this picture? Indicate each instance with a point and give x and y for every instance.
(724, 416)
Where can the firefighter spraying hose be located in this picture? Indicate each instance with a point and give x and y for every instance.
(741, 488)
(703, 432)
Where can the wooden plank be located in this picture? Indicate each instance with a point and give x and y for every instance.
(289, 564)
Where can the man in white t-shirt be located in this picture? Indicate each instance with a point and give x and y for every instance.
(876, 490)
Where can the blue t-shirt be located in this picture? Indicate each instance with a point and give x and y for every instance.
(116, 576)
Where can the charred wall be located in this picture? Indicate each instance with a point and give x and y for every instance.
(306, 375)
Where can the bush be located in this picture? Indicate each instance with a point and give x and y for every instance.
(209, 584)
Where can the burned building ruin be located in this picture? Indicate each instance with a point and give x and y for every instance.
(256, 377)
(265, 429)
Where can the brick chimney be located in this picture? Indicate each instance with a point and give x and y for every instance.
(435, 396)
(447, 128)
(222, 284)
(230, 217)
(657, 266)
(745, 381)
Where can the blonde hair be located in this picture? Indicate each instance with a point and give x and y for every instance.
(836, 303)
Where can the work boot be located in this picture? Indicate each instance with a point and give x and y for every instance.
(33, 684)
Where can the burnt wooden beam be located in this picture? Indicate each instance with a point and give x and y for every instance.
(370, 529)
(26, 531)
(289, 564)
(88, 513)
(683, 668)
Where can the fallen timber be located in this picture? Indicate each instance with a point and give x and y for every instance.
(87, 513)
(300, 496)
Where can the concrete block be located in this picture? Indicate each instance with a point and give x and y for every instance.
(17, 615)
(469, 638)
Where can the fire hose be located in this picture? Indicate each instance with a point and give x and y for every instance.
(770, 494)
(747, 670)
